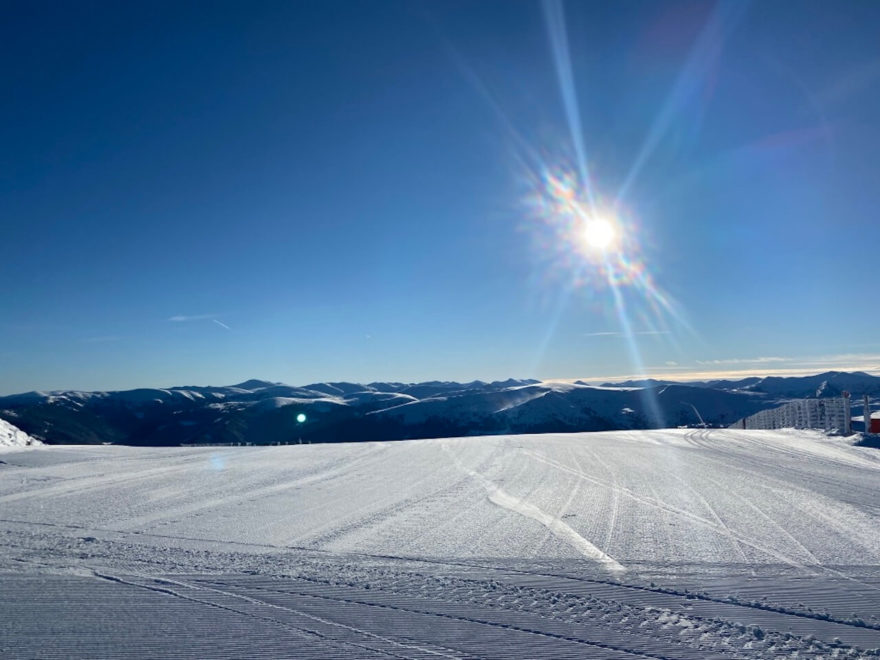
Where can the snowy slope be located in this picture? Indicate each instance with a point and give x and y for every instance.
(661, 544)
(13, 438)
(584, 545)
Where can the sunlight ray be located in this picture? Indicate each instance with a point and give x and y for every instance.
(648, 397)
(703, 57)
(554, 16)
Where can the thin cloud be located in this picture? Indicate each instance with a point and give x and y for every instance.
(621, 334)
(759, 367)
(757, 360)
(221, 324)
(183, 318)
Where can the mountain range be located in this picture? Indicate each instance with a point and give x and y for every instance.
(262, 412)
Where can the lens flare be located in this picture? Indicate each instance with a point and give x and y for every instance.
(587, 243)
(588, 240)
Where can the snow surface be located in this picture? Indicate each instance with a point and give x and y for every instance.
(12, 438)
(662, 544)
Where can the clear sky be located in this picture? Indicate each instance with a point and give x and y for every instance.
(200, 193)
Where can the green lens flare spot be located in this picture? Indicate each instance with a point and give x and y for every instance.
(301, 418)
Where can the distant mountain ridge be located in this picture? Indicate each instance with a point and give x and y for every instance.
(262, 412)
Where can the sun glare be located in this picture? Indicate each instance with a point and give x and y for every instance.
(586, 237)
(599, 234)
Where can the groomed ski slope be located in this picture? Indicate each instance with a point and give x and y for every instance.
(671, 543)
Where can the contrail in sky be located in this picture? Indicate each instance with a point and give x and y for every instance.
(183, 318)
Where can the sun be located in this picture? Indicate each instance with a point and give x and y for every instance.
(599, 234)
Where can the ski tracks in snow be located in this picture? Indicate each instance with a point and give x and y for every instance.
(659, 504)
(554, 524)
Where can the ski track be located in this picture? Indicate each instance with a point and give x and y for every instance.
(657, 503)
(666, 544)
(734, 543)
(615, 493)
(561, 512)
(554, 524)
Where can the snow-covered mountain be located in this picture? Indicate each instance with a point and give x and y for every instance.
(264, 412)
(829, 383)
(11, 437)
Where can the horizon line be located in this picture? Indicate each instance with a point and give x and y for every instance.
(681, 377)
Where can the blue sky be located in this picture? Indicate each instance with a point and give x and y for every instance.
(197, 193)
